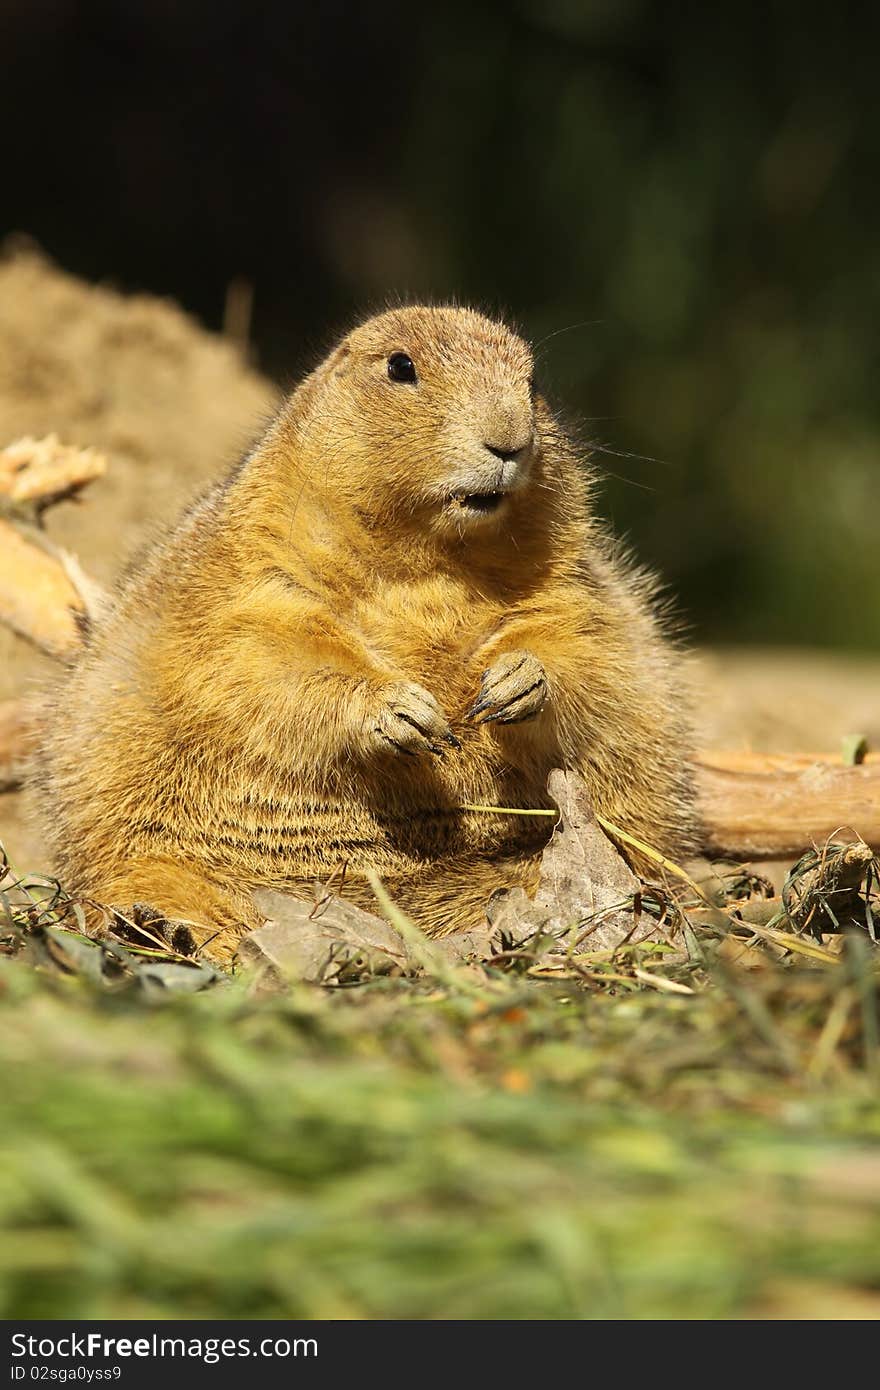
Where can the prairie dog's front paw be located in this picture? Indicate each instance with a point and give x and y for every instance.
(407, 718)
(513, 689)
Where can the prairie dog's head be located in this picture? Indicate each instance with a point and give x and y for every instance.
(426, 412)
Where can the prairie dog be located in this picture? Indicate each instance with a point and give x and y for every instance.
(399, 605)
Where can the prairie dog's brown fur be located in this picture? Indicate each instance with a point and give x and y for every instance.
(398, 605)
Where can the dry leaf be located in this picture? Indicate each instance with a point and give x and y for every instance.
(583, 879)
(333, 942)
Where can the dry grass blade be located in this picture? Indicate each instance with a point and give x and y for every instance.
(832, 1032)
(832, 888)
(650, 853)
(661, 982)
(861, 963)
(423, 951)
(793, 943)
(756, 1011)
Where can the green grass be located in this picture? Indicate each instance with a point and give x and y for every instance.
(528, 1148)
(554, 1135)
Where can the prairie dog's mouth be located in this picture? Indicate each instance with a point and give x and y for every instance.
(479, 503)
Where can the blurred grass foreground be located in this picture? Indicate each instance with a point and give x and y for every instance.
(677, 1136)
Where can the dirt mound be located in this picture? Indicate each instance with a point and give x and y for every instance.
(168, 403)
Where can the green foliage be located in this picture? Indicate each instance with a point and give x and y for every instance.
(409, 1149)
(683, 1127)
(685, 191)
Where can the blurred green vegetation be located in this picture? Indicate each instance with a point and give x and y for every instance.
(690, 185)
(401, 1151)
(650, 1133)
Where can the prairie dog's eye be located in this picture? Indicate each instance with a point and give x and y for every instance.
(400, 368)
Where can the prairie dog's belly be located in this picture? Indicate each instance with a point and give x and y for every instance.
(397, 818)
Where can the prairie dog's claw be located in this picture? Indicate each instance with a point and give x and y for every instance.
(177, 933)
(409, 720)
(512, 690)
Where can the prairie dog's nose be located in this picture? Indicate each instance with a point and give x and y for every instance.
(508, 455)
(508, 429)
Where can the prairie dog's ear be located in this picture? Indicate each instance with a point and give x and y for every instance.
(337, 364)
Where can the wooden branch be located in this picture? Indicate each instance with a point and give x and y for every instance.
(42, 471)
(774, 806)
(16, 735)
(42, 590)
(38, 599)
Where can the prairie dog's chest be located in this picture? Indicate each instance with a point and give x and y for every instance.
(431, 630)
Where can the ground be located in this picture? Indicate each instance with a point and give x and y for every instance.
(509, 1149)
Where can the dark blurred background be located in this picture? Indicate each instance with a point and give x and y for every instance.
(679, 200)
